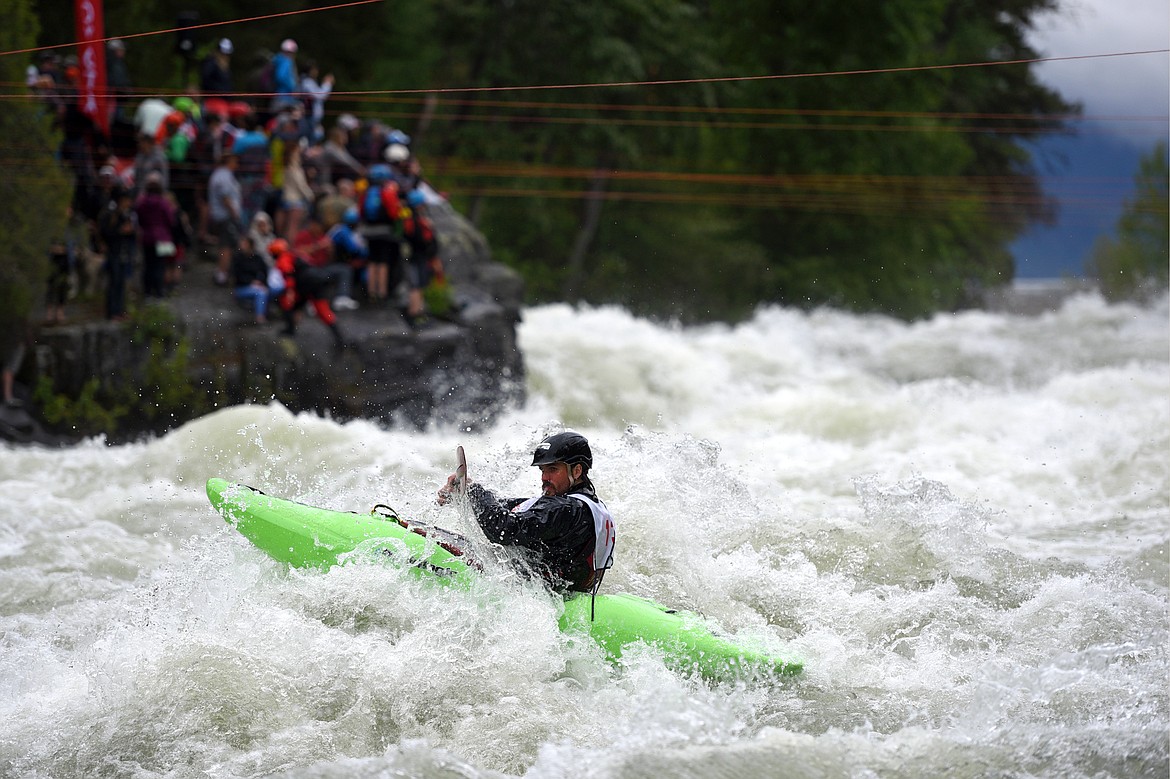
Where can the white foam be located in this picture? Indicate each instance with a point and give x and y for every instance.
(960, 522)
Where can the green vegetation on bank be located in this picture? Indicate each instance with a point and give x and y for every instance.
(159, 391)
(1136, 262)
(33, 188)
(889, 185)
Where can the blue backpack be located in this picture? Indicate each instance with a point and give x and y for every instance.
(373, 211)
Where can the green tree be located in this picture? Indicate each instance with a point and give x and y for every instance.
(562, 144)
(851, 172)
(903, 188)
(1134, 264)
(33, 185)
(895, 191)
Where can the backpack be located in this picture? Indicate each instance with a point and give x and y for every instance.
(373, 210)
(266, 78)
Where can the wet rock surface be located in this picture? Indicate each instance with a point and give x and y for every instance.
(461, 368)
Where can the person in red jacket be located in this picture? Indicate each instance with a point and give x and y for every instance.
(303, 284)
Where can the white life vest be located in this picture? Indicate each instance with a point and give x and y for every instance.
(604, 529)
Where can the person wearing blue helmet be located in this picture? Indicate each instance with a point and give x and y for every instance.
(350, 254)
(565, 533)
(380, 212)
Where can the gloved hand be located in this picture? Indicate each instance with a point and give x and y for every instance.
(454, 487)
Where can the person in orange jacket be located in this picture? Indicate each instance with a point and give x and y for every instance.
(303, 284)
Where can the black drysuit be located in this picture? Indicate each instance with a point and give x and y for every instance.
(557, 533)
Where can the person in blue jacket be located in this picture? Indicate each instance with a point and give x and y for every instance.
(285, 79)
(350, 253)
(566, 533)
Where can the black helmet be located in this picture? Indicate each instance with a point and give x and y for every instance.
(568, 447)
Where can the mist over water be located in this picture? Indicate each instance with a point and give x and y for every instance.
(961, 524)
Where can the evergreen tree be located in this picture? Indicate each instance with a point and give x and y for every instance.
(1136, 262)
(728, 154)
(34, 188)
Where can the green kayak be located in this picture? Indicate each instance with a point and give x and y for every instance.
(305, 536)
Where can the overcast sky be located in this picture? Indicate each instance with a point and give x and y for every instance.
(1115, 87)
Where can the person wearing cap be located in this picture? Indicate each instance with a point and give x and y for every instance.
(118, 76)
(285, 79)
(215, 72)
(565, 533)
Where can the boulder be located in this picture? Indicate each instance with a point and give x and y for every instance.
(460, 369)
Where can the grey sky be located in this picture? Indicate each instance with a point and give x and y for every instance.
(1113, 87)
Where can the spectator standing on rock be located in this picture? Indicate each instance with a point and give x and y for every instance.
(423, 264)
(150, 159)
(350, 253)
(316, 91)
(379, 215)
(296, 194)
(335, 162)
(118, 232)
(251, 147)
(215, 72)
(176, 136)
(210, 143)
(118, 78)
(156, 221)
(225, 209)
(61, 268)
(285, 79)
(14, 336)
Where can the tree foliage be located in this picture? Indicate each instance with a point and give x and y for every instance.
(1136, 262)
(32, 185)
(896, 191)
(686, 158)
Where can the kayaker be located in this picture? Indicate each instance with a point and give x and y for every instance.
(566, 531)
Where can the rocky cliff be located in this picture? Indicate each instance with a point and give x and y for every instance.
(461, 369)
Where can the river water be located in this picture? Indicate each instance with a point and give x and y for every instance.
(961, 524)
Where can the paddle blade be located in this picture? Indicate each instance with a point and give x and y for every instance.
(460, 471)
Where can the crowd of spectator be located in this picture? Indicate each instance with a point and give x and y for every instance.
(297, 207)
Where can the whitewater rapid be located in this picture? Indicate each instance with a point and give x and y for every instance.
(962, 525)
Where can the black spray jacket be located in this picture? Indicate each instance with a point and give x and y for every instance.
(557, 532)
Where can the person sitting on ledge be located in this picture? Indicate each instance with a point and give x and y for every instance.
(252, 279)
(303, 284)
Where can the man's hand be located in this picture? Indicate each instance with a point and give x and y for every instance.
(453, 487)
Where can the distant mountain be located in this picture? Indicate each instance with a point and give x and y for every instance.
(1090, 176)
